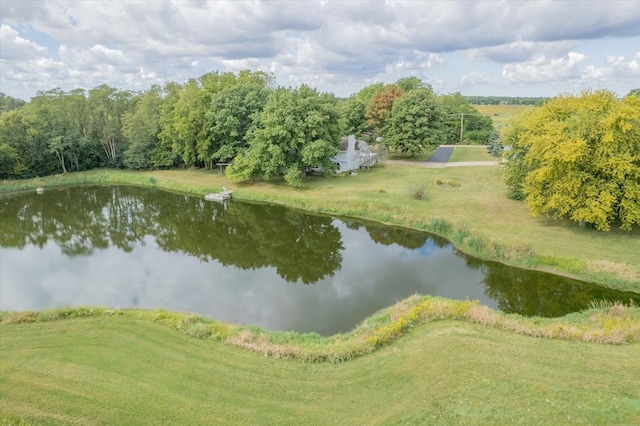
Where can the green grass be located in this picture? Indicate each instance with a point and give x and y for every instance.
(471, 153)
(476, 215)
(132, 368)
(501, 114)
(393, 155)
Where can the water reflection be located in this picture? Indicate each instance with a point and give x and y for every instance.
(132, 247)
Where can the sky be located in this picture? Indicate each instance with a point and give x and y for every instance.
(484, 48)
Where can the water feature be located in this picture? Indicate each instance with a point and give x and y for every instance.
(278, 268)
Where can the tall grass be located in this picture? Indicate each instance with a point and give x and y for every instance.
(612, 323)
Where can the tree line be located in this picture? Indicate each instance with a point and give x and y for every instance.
(238, 118)
(506, 100)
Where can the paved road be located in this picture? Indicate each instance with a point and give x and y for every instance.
(441, 155)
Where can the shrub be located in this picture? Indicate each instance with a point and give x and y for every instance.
(417, 191)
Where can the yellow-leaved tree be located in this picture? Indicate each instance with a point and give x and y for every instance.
(578, 157)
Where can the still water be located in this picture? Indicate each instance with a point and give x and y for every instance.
(277, 268)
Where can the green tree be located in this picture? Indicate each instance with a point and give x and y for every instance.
(232, 115)
(581, 159)
(353, 110)
(165, 155)
(184, 124)
(414, 122)
(463, 123)
(8, 103)
(412, 83)
(49, 115)
(8, 161)
(298, 129)
(107, 107)
(516, 167)
(17, 158)
(141, 126)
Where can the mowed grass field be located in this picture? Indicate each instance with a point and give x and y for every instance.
(123, 370)
(501, 114)
(471, 153)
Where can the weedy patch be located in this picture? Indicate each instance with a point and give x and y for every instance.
(620, 270)
(608, 323)
(450, 183)
(418, 191)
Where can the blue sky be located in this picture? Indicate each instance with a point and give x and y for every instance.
(502, 48)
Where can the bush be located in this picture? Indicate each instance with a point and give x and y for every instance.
(417, 191)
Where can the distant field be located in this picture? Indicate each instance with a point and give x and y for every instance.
(500, 114)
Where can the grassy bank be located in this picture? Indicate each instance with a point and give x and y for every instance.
(135, 367)
(476, 215)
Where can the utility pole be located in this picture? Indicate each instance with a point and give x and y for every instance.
(461, 126)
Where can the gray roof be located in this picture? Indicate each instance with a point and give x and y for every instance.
(360, 145)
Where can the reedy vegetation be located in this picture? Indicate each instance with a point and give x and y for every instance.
(608, 324)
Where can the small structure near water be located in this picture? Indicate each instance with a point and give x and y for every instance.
(39, 190)
(220, 196)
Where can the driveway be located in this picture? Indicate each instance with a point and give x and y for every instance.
(441, 155)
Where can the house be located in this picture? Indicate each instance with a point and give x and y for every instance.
(354, 154)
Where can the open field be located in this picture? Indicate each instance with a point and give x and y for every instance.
(501, 114)
(131, 369)
(476, 216)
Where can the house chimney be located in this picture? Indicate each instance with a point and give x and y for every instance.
(351, 146)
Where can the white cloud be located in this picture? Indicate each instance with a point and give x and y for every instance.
(14, 47)
(474, 78)
(541, 70)
(618, 68)
(520, 51)
(340, 44)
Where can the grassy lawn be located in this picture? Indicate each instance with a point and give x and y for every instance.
(393, 155)
(471, 153)
(477, 216)
(501, 114)
(128, 370)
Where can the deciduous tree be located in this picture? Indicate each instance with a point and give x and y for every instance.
(580, 156)
(232, 115)
(380, 105)
(462, 123)
(414, 122)
(298, 129)
(141, 128)
(353, 111)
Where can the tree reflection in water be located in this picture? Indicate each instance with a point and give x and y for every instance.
(299, 246)
(534, 293)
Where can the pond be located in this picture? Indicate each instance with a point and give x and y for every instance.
(278, 268)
